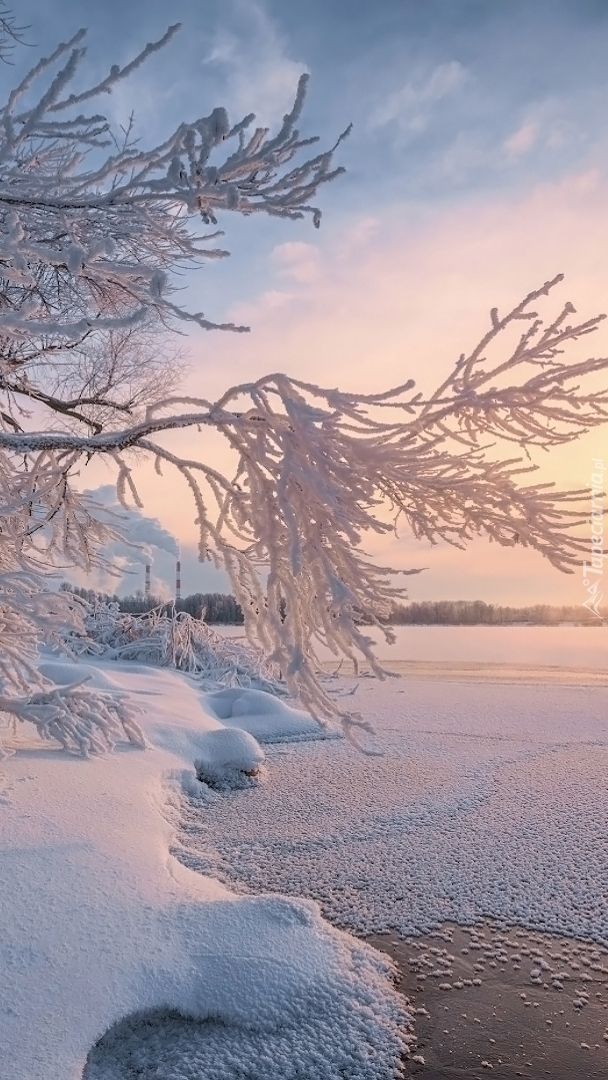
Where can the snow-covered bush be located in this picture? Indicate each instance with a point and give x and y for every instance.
(92, 231)
(84, 721)
(172, 640)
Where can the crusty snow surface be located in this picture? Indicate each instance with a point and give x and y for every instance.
(489, 800)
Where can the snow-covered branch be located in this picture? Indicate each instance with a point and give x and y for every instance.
(89, 241)
(314, 466)
(83, 721)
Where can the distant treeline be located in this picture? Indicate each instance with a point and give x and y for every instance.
(212, 607)
(223, 608)
(476, 612)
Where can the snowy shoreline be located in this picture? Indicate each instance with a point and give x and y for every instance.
(99, 920)
(484, 804)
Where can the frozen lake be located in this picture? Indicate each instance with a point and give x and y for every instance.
(570, 647)
(567, 646)
(489, 799)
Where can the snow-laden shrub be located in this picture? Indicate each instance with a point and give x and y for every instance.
(85, 721)
(175, 640)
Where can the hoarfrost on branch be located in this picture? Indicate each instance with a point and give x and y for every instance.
(92, 231)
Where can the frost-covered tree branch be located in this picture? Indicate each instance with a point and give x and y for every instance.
(314, 466)
(91, 232)
(88, 239)
(93, 227)
(11, 33)
(83, 721)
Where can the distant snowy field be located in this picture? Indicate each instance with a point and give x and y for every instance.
(545, 646)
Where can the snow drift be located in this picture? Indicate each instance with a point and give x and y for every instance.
(99, 922)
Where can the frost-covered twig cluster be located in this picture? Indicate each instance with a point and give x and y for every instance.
(90, 227)
(84, 721)
(314, 465)
(172, 640)
(91, 231)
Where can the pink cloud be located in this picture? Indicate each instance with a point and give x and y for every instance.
(522, 140)
(298, 261)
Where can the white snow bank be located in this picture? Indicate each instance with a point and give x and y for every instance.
(98, 920)
(159, 1045)
(261, 714)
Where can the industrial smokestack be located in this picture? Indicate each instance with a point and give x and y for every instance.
(147, 586)
(178, 580)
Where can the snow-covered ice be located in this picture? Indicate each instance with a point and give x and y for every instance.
(99, 920)
(525, 647)
(489, 800)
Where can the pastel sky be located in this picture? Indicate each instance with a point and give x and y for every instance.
(477, 168)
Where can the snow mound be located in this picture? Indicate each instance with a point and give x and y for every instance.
(227, 757)
(261, 714)
(222, 757)
(277, 993)
(165, 1043)
(316, 1006)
